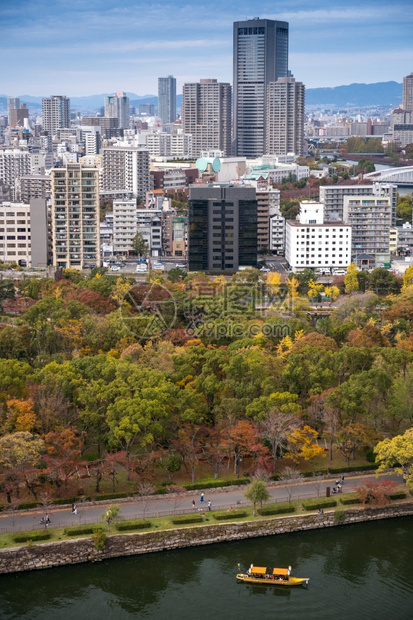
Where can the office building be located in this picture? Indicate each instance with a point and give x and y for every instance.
(31, 186)
(370, 218)
(285, 117)
(260, 57)
(118, 106)
(109, 126)
(206, 114)
(222, 228)
(332, 196)
(311, 242)
(75, 217)
(13, 103)
(407, 104)
(17, 116)
(55, 113)
(167, 99)
(126, 169)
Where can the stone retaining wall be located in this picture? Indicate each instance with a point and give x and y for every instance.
(47, 555)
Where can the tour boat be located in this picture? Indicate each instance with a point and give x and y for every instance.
(271, 576)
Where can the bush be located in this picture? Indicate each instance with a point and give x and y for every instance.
(276, 509)
(99, 538)
(31, 536)
(139, 524)
(183, 520)
(352, 498)
(28, 505)
(230, 514)
(79, 530)
(343, 470)
(339, 516)
(315, 504)
(106, 496)
(398, 495)
(91, 457)
(214, 484)
(314, 474)
(371, 457)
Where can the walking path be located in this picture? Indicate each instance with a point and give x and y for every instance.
(163, 505)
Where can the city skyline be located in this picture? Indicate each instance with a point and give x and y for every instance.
(96, 46)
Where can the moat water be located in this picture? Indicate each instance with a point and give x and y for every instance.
(362, 571)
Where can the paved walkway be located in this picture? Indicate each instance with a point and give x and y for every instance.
(163, 505)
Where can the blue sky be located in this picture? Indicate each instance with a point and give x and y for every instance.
(84, 47)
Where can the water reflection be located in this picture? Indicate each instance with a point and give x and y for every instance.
(367, 568)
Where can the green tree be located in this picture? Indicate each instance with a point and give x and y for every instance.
(140, 246)
(256, 493)
(111, 514)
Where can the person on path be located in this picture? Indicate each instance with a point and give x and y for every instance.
(342, 479)
(193, 504)
(209, 505)
(75, 509)
(47, 520)
(202, 498)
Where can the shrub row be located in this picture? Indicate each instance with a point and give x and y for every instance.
(31, 536)
(350, 499)
(105, 496)
(319, 503)
(230, 514)
(343, 470)
(398, 495)
(276, 509)
(183, 520)
(28, 505)
(80, 530)
(214, 484)
(138, 524)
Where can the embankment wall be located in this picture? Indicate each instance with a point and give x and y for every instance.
(81, 550)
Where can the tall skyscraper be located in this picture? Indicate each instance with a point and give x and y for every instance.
(75, 216)
(285, 117)
(167, 99)
(13, 103)
(55, 113)
(117, 106)
(222, 227)
(206, 114)
(408, 93)
(260, 57)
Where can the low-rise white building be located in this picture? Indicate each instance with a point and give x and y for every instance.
(312, 243)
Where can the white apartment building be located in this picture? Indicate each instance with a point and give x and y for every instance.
(125, 225)
(19, 223)
(55, 113)
(75, 217)
(14, 163)
(332, 196)
(33, 186)
(312, 243)
(370, 218)
(126, 169)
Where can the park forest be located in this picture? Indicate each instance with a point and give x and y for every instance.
(109, 386)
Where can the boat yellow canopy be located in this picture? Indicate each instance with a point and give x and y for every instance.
(280, 571)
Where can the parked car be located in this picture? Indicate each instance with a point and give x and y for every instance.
(265, 270)
(141, 268)
(157, 265)
(181, 265)
(115, 268)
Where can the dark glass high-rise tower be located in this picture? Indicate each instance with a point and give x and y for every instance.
(167, 99)
(260, 57)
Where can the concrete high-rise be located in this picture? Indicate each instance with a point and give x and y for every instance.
(285, 117)
(55, 113)
(260, 57)
(75, 216)
(167, 99)
(117, 106)
(206, 114)
(13, 103)
(408, 93)
(126, 170)
(222, 227)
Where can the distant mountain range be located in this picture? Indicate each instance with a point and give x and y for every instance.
(380, 94)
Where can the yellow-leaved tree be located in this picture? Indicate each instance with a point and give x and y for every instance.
(351, 281)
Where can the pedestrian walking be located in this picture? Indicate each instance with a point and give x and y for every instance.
(342, 479)
(75, 510)
(202, 498)
(193, 504)
(209, 505)
(47, 520)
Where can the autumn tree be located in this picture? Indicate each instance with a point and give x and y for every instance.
(302, 444)
(63, 450)
(351, 282)
(398, 452)
(376, 493)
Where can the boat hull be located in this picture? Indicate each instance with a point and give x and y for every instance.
(290, 582)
